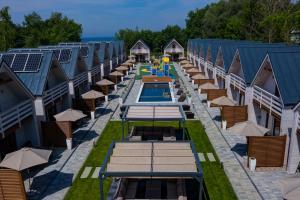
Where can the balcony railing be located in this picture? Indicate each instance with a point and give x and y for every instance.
(54, 93)
(173, 50)
(209, 66)
(299, 120)
(220, 72)
(96, 70)
(80, 78)
(15, 115)
(237, 82)
(270, 101)
(139, 51)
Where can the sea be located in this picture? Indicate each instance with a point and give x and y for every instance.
(89, 39)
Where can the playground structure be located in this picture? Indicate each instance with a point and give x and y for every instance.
(158, 70)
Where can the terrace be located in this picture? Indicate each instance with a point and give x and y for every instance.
(55, 93)
(80, 78)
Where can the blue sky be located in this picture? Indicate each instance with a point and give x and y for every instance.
(105, 17)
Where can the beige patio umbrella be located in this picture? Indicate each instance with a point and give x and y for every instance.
(182, 58)
(92, 94)
(183, 62)
(290, 187)
(126, 64)
(248, 128)
(116, 74)
(104, 84)
(198, 77)
(69, 115)
(208, 86)
(223, 101)
(25, 158)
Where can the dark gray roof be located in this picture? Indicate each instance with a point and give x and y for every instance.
(116, 46)
(286, 69)
(112, 50)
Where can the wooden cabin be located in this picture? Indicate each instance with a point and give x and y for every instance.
(141, 51)
(174, 49)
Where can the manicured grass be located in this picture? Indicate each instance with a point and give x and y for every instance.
(216, 181)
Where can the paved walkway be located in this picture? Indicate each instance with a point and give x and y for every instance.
(238, 177)
(53, 182)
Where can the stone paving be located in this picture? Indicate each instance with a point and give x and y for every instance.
(241, 183)
(54, 180)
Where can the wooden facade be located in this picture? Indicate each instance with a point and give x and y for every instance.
(234, 114)
(203, 81)
(55, 133)
(215, 93)
(269, 151)
(11, 185)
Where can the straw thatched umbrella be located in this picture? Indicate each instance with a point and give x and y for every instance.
(116, 74)
(69, 115)
(65, 119)
(290, 187)
(90, 99)
(208, 86)
(25, 158)
(198, 77)
(248, 128)
(123, 69)
(104, 84)
(193, 71)
(187, 66)
(223, 101)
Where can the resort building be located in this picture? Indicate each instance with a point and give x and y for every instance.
(17, 114)
(141, 51)
(104, 56)
(174, 49)
(113, 55)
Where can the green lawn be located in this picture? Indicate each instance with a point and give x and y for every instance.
(216, 181)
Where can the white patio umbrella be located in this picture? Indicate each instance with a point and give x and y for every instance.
(69, 115)
(223, 101)
(248, 128)
(290, 187)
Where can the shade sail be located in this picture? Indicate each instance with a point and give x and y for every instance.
(248, 128)
(157, 157)
(208, 86)
(116, 73)
(198, 77)
(105, 82)
(290, 187)
(92, 94)
(154, 113)
(193, 70)
(25, 158)
(69, 115)
(223, 101)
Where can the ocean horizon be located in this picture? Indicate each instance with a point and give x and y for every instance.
(89, 39)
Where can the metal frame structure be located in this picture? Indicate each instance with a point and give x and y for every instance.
(196, 175)
(181, 121)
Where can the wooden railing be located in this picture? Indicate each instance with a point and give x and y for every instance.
(270, 101)
(54, 93)
(220, 72)
(15, 115)
(237, 82)
(80, 78)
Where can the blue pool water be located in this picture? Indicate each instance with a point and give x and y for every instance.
(154, 92)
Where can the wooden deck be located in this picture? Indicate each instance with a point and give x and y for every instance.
(155, 79)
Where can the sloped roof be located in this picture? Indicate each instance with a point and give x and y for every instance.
(173, 40)
(140, 41)
(286, 69)
(35, 81)
(6, 68)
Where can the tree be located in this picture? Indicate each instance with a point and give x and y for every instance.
(7, 30)
(33, 28)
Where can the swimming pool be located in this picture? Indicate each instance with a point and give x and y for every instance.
(155, 92)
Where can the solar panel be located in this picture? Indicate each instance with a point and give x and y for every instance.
(8, 58)
(19, 62)
(65, 55)
(33, 63)
(84, 51)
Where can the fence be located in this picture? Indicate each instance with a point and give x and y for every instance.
(234, 114)
(11, 185)
(268, 151)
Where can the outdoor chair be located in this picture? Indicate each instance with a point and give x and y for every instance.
(179, 92)
(186, 107)
(189, 115)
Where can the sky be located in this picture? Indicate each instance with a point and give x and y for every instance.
(106, 17)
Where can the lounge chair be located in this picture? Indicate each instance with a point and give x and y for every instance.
(182, 97)
(179, 92)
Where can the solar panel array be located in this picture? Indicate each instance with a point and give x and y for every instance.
(63, 55)
(23, 62)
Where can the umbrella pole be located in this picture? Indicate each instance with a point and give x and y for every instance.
(29, 185)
